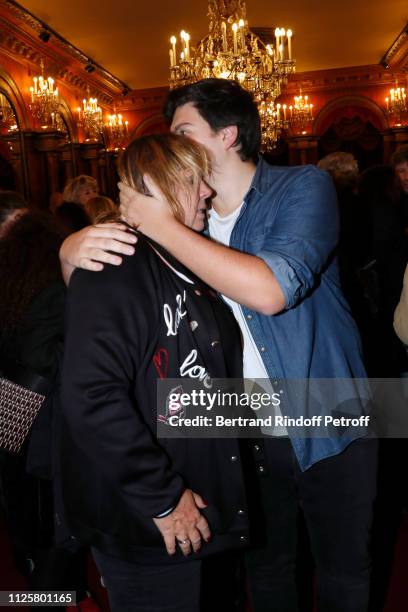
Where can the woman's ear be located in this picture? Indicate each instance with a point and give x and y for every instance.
(229, 135)
(152, 189)
(146, 183)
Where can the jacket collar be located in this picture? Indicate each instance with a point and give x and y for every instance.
(262, 178)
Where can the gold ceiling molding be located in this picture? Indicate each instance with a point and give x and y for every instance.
(341, 78)
(143, 99)
(15, 48)
(397, 54)
(34, 52)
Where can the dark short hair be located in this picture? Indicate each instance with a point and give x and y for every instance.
(400, 155)
(9, 202)
(221, 103)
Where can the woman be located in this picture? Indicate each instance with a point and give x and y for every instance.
(388, 252)
(99, 206)
(12, 206)
(72, 213)
(32, 302)
(139, 500)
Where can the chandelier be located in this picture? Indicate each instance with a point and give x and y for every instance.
(396, 105)
(90, 118)
(301, 114)
(273, 121)
(7, 116)
(232, 51)
(44, 98)
(118, 130)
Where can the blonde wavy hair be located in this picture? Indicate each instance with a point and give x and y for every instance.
(172, 161)
(73, 188)
(97, 208)
(342, 166)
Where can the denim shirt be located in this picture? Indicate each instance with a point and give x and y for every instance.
(289, 219)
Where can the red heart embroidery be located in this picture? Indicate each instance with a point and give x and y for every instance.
(161, 362)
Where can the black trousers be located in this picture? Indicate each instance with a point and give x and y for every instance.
(133, 587)
(215, 584)
(336, 496)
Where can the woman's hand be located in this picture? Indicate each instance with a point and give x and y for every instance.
(90, 248)
(185, 526)
(148, 213)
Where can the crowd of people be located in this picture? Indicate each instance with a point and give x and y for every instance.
(216, 265)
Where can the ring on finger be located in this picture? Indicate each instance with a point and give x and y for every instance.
(183, 542)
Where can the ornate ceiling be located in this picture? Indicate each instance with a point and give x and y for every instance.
(130, 38)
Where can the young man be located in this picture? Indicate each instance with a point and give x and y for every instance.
(274, 232)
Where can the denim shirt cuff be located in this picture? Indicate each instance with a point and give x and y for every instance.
(285, 275)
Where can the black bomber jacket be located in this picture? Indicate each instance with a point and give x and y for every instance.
(123, 332)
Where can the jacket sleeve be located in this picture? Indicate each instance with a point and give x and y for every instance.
(302, 235)
(43, 331)
(110, 324)
(401, 313)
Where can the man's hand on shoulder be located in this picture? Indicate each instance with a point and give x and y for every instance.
(95, 246)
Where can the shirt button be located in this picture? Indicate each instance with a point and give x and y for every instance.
(243, 539)
(241, 512)
(234, 459)
(262, 349)
(215, 343)
(257, 448)
(249, 317)
(261, 469)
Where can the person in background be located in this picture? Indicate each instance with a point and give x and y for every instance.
(32, 301)
(358, 274)
(71, 214)
(353, 248)
(379, 193)
(388, 252)
(401, 313)
(99, 206)
(12, 206)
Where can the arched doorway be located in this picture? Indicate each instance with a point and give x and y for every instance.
(154, 124)
(10, 177)
(14, 120)
(353, 124)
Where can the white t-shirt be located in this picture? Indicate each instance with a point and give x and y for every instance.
(220, 229)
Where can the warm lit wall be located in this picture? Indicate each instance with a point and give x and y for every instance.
(43, 160)
(356, 92)
(143, 109)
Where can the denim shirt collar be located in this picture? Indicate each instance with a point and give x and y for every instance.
(262, 179)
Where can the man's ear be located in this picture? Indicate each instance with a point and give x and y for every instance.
(229, 136)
